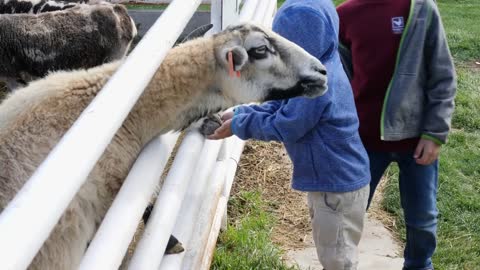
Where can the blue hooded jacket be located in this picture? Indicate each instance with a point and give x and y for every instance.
(321, 134)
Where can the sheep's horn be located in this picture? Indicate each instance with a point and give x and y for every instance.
(198, 32)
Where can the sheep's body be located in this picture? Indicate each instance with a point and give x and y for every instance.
(83, 36)
(191, 81)
(84, 213)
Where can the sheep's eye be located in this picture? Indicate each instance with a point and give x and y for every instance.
(261, 49)
(258, 52)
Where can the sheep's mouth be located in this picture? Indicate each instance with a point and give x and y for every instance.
(314, 87)
(310, 88)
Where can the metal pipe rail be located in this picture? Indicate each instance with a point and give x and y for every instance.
(121, 221)
(148, 253)
(212, 158)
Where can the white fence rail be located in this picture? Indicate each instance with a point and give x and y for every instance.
(78, 151)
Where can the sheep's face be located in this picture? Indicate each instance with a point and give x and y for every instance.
(266, 66)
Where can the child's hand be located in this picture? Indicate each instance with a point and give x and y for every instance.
(426, 152)
(224, 131)
(227, 115)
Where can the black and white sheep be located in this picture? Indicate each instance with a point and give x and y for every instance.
(192, 81)
(84, 36)
(38, 6)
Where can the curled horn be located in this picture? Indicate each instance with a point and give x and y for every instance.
(198, 32)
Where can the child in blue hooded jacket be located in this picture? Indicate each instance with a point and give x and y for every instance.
(320, 136)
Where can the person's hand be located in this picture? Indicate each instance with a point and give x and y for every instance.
(426, 152)
(227, 115)
(225, 130)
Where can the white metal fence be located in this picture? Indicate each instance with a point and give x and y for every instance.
(191, 210)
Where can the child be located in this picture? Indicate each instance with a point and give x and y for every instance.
(403, 80)
(320, 135)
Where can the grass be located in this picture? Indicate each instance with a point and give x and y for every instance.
(246, 243)
(467, 102)
(337, 2)
(202, 7)
(461, 20)
(459, 176)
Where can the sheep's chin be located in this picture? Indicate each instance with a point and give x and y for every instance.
(304, 89)
(315, 90)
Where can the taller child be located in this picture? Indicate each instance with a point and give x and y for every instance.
(403, 79)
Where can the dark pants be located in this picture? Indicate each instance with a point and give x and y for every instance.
(418, 193)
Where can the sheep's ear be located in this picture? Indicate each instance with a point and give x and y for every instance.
(239, 56)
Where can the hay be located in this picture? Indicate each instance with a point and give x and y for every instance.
(266, 167)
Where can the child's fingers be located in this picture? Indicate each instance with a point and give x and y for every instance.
(227, 115)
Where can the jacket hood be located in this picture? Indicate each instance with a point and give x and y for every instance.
(316, 19)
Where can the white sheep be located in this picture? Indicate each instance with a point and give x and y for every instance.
(84, 36)
(193, 81)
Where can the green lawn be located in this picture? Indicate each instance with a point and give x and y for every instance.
(459, 183)
(462, 23)
(246, 244)
(202, 7)
(467, 111)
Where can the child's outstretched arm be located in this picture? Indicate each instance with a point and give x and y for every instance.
(288, 124)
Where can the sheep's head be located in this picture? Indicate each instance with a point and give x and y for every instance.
(266, 66)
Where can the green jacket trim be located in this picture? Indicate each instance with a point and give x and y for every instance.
(384, 107)
(431, 138)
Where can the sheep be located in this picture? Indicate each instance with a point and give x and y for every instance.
(192, 81)
(31, 45)
(38, 6)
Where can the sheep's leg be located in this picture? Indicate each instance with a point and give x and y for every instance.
(207, 125)
(174, 246)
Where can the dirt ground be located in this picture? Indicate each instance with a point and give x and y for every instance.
(266, 167)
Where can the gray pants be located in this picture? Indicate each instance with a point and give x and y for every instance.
(337, 221)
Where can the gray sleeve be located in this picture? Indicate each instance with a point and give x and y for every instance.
(346, 58)
(441, 81)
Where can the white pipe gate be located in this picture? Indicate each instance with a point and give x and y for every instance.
(190, 210)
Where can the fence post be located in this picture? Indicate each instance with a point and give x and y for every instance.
(229, 12)
(216, 16)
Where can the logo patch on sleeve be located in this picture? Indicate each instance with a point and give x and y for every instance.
(397, 25)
